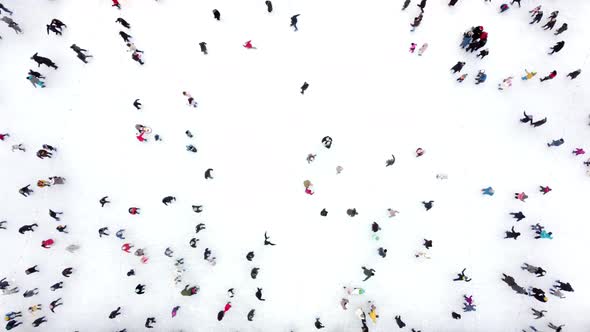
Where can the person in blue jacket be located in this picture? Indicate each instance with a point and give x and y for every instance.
(488, 191)
(481, 77)
(466, 39)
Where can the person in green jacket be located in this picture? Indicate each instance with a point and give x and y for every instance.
(189, 291)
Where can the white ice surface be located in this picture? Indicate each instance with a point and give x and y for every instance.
(255, 129)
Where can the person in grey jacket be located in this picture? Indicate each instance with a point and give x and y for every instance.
(36, 81)
(31, 292)
(80, 53)
(368, 273)
(534, 269)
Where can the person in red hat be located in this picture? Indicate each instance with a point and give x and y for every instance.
(116, 4)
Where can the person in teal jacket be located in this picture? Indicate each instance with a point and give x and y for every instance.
(544, 235)
(488, 191)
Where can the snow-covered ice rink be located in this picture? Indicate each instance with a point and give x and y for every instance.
(255, 129)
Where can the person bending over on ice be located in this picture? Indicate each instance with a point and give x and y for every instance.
(462, 277)
(318, 325)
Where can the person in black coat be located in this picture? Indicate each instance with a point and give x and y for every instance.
(527, 118)
(519, 215)
(452, 2)
(550, 24)
(216, 14)
(483, 53)
(428, 205)
(422, 5)
(268, 6)
(574, 74)
(557, 47)
(126, 37)
(539, 123)
(538, 294)
(123, 22)
(294, 22)
(538, 17)
(203, 47)
(458, 66)
(512, 234)
(304, 87)
(564, 286)
(561, 29)
(406, 4)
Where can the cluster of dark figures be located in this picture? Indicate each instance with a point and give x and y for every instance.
(474, 39)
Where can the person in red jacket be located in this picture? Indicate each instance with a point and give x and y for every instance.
(249, 46)
(3, 136)
(141, 138)
(116, 4)
(133, 210)
(222, 312)
(47, 243)
(126, 247)
(484, 36)
(550, 76)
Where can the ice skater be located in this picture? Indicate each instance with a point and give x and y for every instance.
(368, 273)
(462, 277)
(43, 61)
(294, 22)
(123, 22)
(80, 52)
(512, 234)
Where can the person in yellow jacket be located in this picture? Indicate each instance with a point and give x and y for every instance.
(34, 308)
(373, 314)
(529, 75)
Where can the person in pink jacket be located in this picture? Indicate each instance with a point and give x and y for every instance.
(578, 151)
(521, 196)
